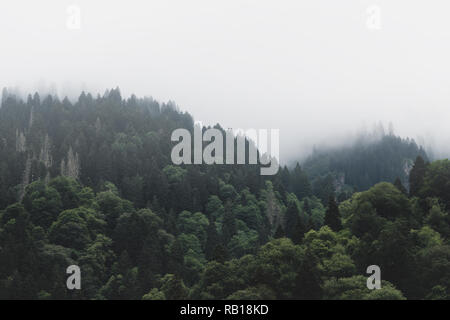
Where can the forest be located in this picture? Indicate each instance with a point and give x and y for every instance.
(91, 183)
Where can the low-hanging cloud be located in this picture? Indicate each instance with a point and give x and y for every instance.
(318, 70)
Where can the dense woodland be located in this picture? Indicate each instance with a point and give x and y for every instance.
(371, 158)
(91, 183)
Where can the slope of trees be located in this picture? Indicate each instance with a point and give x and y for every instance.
(92, 184)
(364, 163)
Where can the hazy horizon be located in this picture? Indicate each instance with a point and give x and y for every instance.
(313, 69)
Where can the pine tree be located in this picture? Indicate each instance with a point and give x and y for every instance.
(299, 231)
(308, 281)
(306, 206)
(220, 254)
(399, 185)
(332, 216)
(323, 188)
(416, 176)
(212, 240)
(300, 183)
(279, 233)
(229, 228)
(176, 258)
(292, 217)
(170, 222)
(174, 288)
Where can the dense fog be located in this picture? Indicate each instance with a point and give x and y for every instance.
(320, 71)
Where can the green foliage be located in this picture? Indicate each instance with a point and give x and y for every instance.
(333, 216)
(292, 219)
(243, 243)
(363, 163)
(436, 181)
(354, 288)
(154, 294)
(70, 229)
(253, 293)
(142, 228)
(417, 176)
(193, 223)
(387, 200)
(43, 203)
(173, 288)
(229, 227)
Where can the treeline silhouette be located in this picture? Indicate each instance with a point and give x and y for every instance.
(91, 183)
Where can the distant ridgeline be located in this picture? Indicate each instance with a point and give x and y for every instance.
(105, 138)
(366, 162)
(127, 142)
(91, 183)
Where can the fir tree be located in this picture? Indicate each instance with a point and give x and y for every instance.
(399, 185)
(416, 176)
(229, 228)
(212, 240)
(332, 215)
(292, 217)
(220, 254)
(279, 233)
(300, 183)
(299, 231)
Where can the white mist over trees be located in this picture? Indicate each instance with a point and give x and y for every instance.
(309, 68)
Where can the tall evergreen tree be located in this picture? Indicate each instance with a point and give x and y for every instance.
(292, 216)
(416, 176)
(399, 185)
(323, 188)
(300, 183)
(279, 233)
(308, 281)
(220, 254)
(307, 206)
(332, 215)
(299, 231)
(212, 240)
(229, 228)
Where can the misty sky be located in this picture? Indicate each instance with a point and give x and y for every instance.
(312, 68)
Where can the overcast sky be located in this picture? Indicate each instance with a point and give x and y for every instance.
(315, 69)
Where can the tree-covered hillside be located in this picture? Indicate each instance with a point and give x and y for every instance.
(91, 183)
(358, 166)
